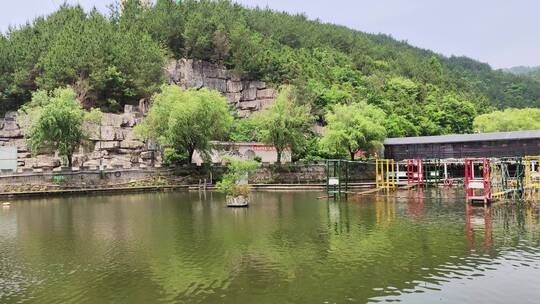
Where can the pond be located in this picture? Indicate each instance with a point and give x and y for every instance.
(412, 247)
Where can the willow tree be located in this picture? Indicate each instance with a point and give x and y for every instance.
(352, 128)
(187, 120)
(284, 124)
(54, 121)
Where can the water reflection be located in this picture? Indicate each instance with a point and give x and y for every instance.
(479, 219)
(416, 246)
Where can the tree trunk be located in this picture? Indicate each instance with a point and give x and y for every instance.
(278, 156)
(70, 160)
(190, 157)
(352, 155)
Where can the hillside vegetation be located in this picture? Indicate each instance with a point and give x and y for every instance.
(117, 58)
(532, 72)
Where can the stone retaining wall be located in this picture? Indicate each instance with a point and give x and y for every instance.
(67, 179)
(305, 173)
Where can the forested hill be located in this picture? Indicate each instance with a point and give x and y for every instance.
(533, 72)
(118, 58)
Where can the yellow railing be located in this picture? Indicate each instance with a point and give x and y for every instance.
(532, 172)
(385, 177)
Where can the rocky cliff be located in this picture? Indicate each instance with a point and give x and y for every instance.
(247, 96)
(113, 144)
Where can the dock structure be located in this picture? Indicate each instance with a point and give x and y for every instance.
(385, 178)
(477, 180)
(336, 177)
(340, 176)
(484, 179)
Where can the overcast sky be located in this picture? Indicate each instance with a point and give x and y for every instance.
(503, 33)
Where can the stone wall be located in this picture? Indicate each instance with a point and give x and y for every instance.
(112, 144)
(86, 179)
(247, 96)
(47, 179)
(305, 173)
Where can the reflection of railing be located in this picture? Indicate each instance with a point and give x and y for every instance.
(485, 223)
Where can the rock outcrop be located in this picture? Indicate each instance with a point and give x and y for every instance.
(247, 96)
(112, 144)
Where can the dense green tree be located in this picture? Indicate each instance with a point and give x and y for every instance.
(101, 59)
(285, 124)
(117, 58)
(508, 120)
(187, 120)
(55, 121)
(352, 128)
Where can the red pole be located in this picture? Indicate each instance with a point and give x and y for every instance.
(467, 179)
(408, 171)
(487, 179)
(422, 170)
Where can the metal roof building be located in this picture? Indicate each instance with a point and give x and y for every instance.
(496, 144)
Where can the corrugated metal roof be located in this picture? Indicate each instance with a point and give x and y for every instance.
(463, 138)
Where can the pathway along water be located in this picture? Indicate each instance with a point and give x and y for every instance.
(285, 248)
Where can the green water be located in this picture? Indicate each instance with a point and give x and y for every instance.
(285, 248)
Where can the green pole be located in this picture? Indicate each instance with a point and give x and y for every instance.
(326, 176)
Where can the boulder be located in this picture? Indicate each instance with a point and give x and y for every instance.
(257, 84)
(128, 109)
(188, 73)
(107, 145)
(11, 115)
(252, 105)
(266, 94)
(265, 103)
(131, 144)
(22, 155)
(130, 135)
(110, 119)
(147, 155)
(44, 161)
(209, 70)
(234, 86)
(134, 159)
(92, 130)
(10, 129)
(217, 84)
(172, 71)
(110, 133)
(128, 120)
(233, 97)
(249, 94)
